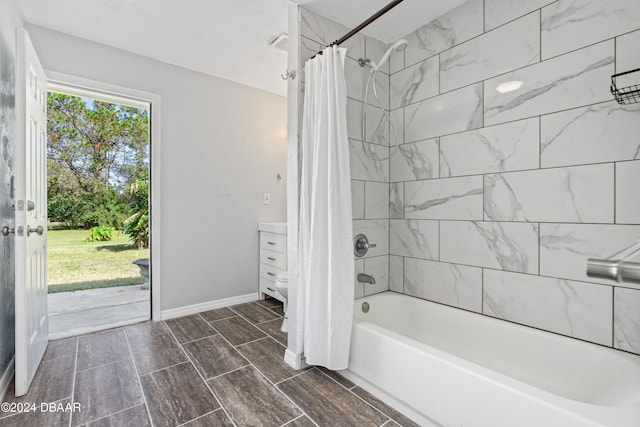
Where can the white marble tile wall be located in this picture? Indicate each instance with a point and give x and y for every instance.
(396, 273)
(499, 12)
(416, 160)
(598, 133)
(507, 147)
(378, 268)
(396, 200)
(568, 81)
(451, 284)
(571, 194)
(528, 183)
(626, 332)
(451, 112)
(571, 24)
(414, 238)
(450, 198)
(451, 29)
(497, 198)
(415, 83)
(512, 46)
(376, 196)
(627, 192)
(366, 161)
(507, 246)
(628, 52)
(564, 248)
(580, 310)
(377, 231)
(357, 199)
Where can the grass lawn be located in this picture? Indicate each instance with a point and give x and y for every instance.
(74, 264)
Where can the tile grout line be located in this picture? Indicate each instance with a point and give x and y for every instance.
(262, 374)
(202, 378)
(201, 416)
(75, 373)
(135, 367)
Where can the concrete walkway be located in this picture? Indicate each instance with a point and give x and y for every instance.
(80, 312)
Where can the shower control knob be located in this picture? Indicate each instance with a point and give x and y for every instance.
(361, 245)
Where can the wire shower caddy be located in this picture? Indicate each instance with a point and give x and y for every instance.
(628, 94)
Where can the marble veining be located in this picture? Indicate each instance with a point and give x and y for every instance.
(325, 31)
(592, 134)
(568, 25)
(580, 310)
(576, 194)
(396, 273)
(564, 248)
(626, 321)
(507, 48)
(415, 161)
(452, 28)
(627, 200)
(501, 245)
(378, 267)
(451, 198)
(499, 12)
(507, 147)
(451, 112)
(415, 83)
(414, 238)
(552, 85)
(365, 167)
(451, 284)
(376, 200)
(396, 200)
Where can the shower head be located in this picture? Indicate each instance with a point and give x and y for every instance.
(398, 46)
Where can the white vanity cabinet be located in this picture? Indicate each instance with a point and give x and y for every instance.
(273, 256)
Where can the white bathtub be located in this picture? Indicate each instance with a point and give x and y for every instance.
(450, 367)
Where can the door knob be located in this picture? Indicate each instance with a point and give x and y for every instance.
(6, 230)
(39, 230)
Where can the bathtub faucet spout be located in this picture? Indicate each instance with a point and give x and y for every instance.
(366, 278)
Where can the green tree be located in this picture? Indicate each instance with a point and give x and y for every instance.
(96, 150)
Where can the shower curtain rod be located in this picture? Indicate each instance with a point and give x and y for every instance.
(368, 21)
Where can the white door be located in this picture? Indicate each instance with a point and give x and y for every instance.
(31, 214)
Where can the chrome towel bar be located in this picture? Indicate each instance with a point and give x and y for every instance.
(617, 267)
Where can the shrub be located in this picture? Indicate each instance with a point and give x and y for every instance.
(100, 234)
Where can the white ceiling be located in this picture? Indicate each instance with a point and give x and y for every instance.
(224, 38)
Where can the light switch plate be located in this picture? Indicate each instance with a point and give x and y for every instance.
(267, 199)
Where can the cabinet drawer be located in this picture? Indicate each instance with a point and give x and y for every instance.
(268, 287)
(274, 259)
(273, 242)
(269, 272)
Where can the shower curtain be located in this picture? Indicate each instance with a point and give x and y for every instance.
(325, 274)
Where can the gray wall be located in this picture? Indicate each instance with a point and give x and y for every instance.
(223, 144)
(9, 20)
(497, 200)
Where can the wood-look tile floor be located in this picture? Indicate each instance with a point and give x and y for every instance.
(223, 367)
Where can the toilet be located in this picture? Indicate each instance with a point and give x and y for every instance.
(282, 285)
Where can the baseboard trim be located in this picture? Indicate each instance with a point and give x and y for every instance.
(5, 380)
(296, 361)
(172, 313)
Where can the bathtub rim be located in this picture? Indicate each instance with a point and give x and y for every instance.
(587, 411)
